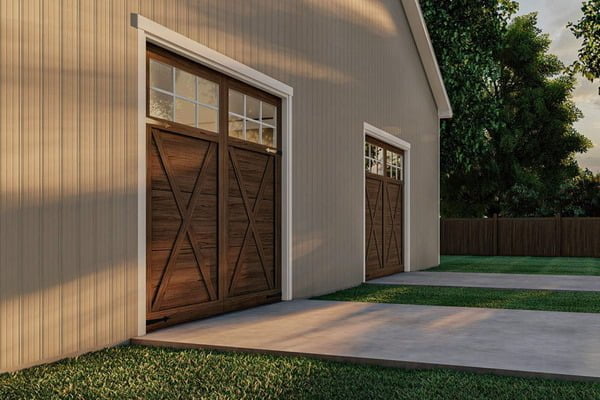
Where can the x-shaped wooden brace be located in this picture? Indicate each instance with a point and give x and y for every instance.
(186, 228)
(251, 214)
(372, 233)
(393, 212)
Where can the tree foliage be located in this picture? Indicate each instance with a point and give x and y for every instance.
(588, 29)
(467, 38)
(511, 144)
(533, 149)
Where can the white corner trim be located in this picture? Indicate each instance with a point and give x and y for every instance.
(374, 132)
(142, 184)
(150, 31)
(414, 15)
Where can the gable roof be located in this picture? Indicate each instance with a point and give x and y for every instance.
(428, 58)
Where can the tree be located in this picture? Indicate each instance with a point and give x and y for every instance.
(510, 147)
(588, 28)
(467, 36)
(533, 148)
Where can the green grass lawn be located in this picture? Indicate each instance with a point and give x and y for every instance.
(544, 300)
(521, 265)
(150, 373)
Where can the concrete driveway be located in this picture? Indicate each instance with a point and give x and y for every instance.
(497, 281)
(549, 344)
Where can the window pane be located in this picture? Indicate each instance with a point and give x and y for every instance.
(252, 108)
(401, 165)
(185, 84)
(185, 112)
(161, 76)
(374, 168)
(252, 131)
(236, 129)
(208, 119)
(379, 153)
(208, 92)
(269, 114)
(236, 102)
(268, 136)
(161, 105)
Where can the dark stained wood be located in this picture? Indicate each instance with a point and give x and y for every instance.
(213, 212)
(384, 198)
(393, 227)
(183, 244)
(546, 237)
(251, 207)
(186, 230)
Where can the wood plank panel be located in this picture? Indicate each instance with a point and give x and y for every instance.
(30, 241)
(182, 273)
(69, 173)
(548, 237)
(104, 185)
(87, 178)
(11, 337)
(118, 140)
(52, 153)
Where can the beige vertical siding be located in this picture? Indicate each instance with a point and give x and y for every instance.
(68, 159)
(68, 106)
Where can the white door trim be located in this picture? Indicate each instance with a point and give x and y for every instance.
(374, 132)
(150, 31)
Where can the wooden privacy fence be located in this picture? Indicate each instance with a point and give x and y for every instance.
(552, 237)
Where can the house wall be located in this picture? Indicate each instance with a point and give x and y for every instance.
(68, 142)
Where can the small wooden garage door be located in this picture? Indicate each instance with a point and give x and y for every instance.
(384, 204)
(214, 168)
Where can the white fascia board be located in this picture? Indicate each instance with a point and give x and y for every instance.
(428, 58)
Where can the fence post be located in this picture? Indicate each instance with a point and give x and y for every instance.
(558, 235)
(495, 234)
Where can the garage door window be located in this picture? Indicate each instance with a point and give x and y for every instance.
(394, 165)
(373, 159)
(252, 119)
(180, 96)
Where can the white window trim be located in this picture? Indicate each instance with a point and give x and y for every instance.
(376, 133)
(150, 31)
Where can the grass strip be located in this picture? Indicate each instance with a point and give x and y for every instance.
(134, 372)
(521, 265)
(542, 300)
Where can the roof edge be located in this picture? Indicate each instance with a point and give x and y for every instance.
(414, 15)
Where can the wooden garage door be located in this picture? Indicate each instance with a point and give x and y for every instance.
(384, 204)
(213, 212)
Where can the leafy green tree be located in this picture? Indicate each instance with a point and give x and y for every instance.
(467, 36)
(587, 194)
(533, 148)
(510, 147)
(588, 29)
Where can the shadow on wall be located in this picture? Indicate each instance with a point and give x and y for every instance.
(68, 276)
(243, 30)
(68, 201)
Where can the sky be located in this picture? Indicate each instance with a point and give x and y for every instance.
(553, 16)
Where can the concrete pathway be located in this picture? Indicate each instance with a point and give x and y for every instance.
(498, 281)
(549, 344)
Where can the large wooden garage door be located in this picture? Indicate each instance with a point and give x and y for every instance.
(214, 168)
(384, 204)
